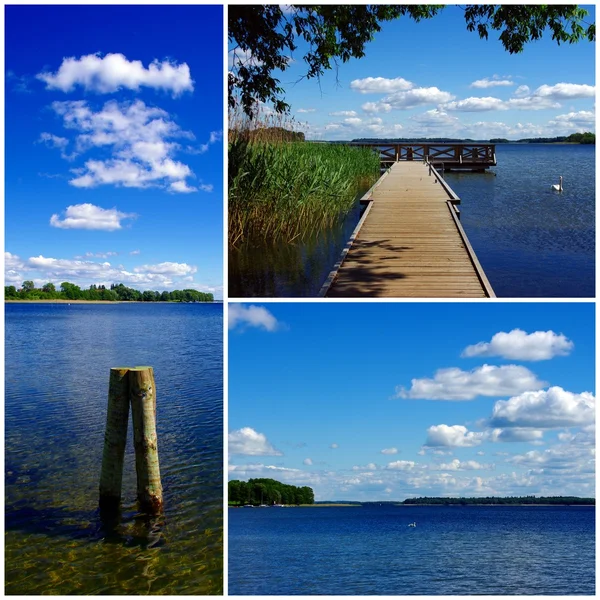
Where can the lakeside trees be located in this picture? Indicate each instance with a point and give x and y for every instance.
(116, 292)
(268, 491)
(267, 35)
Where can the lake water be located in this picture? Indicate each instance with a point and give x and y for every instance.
(452, 550)
(58, 359)
(531, 241)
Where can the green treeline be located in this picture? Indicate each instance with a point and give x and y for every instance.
(558, 500)
(116, 293)
(267, 491)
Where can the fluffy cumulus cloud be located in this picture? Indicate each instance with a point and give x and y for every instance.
(249, 442)
(545, 96)
(402, 465)
(308, 462)
(89, 216)
(344, 113)
(408, 99)
(241, 316)
(162, 276)
(140, 139)
(495, 81)
(380, 85)
(112, 72)
(519, 345)
(389, 451)
(487, 380)
(454, 436)
(545, 409)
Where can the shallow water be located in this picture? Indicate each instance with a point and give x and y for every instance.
(58, 359)
(290, 270)
(371, 550)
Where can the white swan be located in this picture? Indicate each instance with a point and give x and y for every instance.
(412, 524)
(558, 186)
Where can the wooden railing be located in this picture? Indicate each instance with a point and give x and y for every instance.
(451, 155)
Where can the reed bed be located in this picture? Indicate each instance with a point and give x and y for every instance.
(286, 190)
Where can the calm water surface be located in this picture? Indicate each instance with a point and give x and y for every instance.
(453, 550)
(58, 359)
(531, 241)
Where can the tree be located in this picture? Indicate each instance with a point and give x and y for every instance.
(49, 288)
(10, 291)
(264, 37)
(28, 286)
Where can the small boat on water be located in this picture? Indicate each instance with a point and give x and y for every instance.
(414, 524)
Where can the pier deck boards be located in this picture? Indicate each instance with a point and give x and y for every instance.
(410, 244)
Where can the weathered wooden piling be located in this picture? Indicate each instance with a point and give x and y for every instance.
(131, 386)
(143, 410)
(115, 437)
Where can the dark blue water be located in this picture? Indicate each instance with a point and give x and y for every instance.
(530, 240)
(452, 550)
(58, 358)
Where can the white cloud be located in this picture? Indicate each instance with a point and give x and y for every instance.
(251, 316)
(380, 85)
(389, 451)
(515, 434)
(334, 446)
(308, 461)
(409, 99)
(565, 91)
(521, 91)
(464, 465)
(140, 139)
(402, 465)
(519, 345)
(494, 82)
(583, 119)
(487, 380)
(306, 110)
(55, 141)
(172, 269)
(544, 97)
(344, 113)
(249, 442)
(453, 436)
(545, 409)
(112, 72)
(134, 252)
(182, 187)
(163, 276)
(89, 216)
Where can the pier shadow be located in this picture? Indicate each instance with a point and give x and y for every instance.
(362, 279)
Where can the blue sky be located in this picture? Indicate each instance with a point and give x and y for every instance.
(436, 79)
(114, 119)
(388, 401)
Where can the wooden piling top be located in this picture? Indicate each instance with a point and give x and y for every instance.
(409, 243)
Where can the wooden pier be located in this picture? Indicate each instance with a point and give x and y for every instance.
(409, 242)
(449, 157)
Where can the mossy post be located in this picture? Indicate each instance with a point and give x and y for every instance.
(115, 438)
(143, 410)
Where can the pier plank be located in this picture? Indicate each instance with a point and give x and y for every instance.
(410, 244)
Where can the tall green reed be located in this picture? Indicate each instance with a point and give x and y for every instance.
(285, 191)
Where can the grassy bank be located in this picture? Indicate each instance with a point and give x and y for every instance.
(288, 190)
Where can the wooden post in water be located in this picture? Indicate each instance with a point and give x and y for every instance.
(142, 392)
(115, 438)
